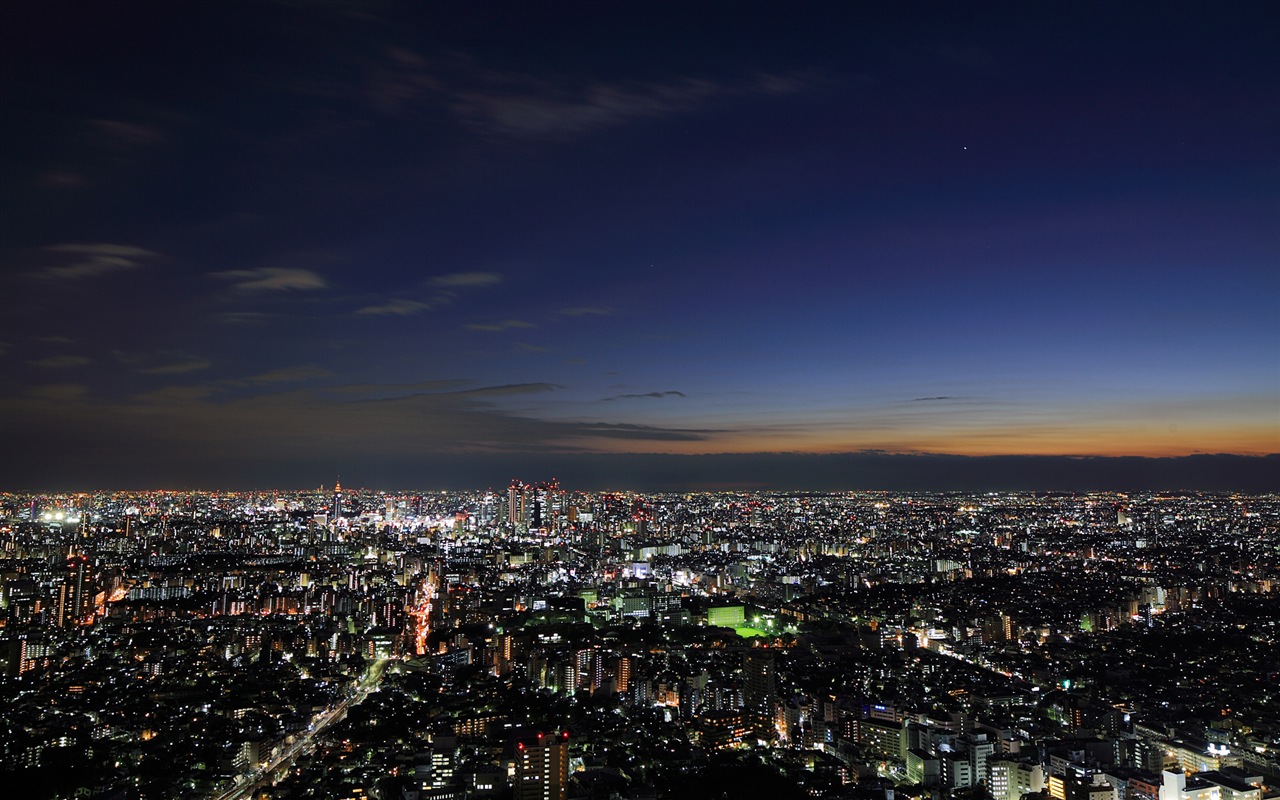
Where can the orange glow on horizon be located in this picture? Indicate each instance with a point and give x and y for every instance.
(1108, 440)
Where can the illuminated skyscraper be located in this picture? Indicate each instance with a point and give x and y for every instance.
(624, 674)
(73, 594)
(517, 494)
(760, 691)
(542, 767)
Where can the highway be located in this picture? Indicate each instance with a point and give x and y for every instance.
(307, 741)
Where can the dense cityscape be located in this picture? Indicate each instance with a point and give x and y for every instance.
(711, 400)
(537, 641)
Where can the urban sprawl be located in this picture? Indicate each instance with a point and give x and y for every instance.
(540, 642)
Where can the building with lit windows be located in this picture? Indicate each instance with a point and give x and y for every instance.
(542, 767)
(1010, 779)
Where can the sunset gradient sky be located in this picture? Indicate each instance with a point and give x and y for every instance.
(436, 244)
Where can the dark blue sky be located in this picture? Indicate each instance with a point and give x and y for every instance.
(261, 243)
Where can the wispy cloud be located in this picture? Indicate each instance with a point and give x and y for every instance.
(542, 109)
(90, 260)
(459, 280)
(395, 308)
(396, 79)
(194, 364)
(520, 106)
(176, 394)
(618, 430)
(58, 392)
(505, 325)
(62, 179)
(510, 388)
(410, 419)
(127, 133)
(291, 375)
(59, 362)
(278, 377)
(273, 279)
(585, 311)
(242, 317)
(933, 399)
(645, 394)
(391, 389)
(444, 289)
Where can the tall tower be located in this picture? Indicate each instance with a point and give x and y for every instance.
(623, 674)
(337, 501)
(517, 497)
(760, 691)
(542, 767)
(73, 594)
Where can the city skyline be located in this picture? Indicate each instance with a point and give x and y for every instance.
(553, 643)
(632, 246)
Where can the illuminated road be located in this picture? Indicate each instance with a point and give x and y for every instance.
(306, 742)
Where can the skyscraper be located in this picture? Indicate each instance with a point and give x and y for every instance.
(542, 767)
(73, 594)
(759, 692)
(517, 493)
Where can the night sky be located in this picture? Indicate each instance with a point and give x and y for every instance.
(640, 245)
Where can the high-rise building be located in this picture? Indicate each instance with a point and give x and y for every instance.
(623, 675)
(1010, 778)
(542, 767)
(517, 495)
(760, 691)
(444, 750)
(534, 506)
(73, 593)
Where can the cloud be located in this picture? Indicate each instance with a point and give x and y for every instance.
(273, 279)
(241, 317)
(59, 362)
(129, 133)
(519, 106)
(933, 399)
(585, 311)
(391, 389)
(516, 104)
(447, 289)
(62, 179)
(176, 394)
(459, 280)
(505, 325)
(618, 430)
(397, 79)
(297, 374)
(95, 259)
(645, 394)
(59, 392)
(541, 109)
(291, 375)
(769, 83)
(310, 425)
(395, 308)
(193, 364)
(510, 388)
